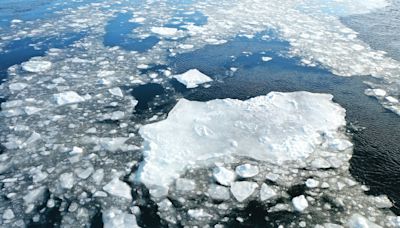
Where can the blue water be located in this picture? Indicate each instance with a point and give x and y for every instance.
(119, 33)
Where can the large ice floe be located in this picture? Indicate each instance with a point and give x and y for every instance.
(289, 152)
(70, 134)
(276, 128)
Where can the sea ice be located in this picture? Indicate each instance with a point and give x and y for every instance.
(68, 97)
(164, 31)
(223, 175)
(113, 218)
(192, 78)
(300, 203)
(266, 192)
(118, 188)
(36, 66)
(242, 190)
(218, 129)
(359, 221)
(247, 170)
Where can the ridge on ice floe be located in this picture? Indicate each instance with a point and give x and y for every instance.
(275, 128)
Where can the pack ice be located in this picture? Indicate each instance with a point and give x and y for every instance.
(274, 128)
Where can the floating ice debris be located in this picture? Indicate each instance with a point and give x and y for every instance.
(164, 31)
(192, 78)
(8, 214)
(67, 180)
(185, 185)
(34, 196)
(17, 86)
(36, 66)
(311, 183)
(113, 218)
(217, 192)
(223, 175)
(199, 214)
(381, 201)
(359, 221)
(266, 59)
(68, 97)
(300, 203)
(116, 92)
(246, 170)
(118, 188)
(306, 117)
(242, 190)
(376, 92)
(267, 192)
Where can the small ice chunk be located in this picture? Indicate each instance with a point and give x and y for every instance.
(392, 99)
(17, 86)
(223, 175)
(67, 180)
(164, 31)
(359, 221)
(376, 92)
(320, 163)
(199, 214)
(84, 173)
(68, 97)
(113, 218)
(30, 110)
(118, 188)
(272, 177)
(266, 192)
(35, 195)
(311, 183)
(266, 59)
(76, 150)
(36, 66)
(382, 201)
(300, 203)
(192, 78)
(218, 192)
(8, 214)
(242, 190)
(116, 92)
(185, 185)
(247, 170)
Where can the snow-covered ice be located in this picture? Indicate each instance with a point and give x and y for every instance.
(246, 170)
(113, 218)
(300, 203)
(36, 65)
(118, 188)
(164, 31)
(68, 97)
(192, 78)
(224, 128)
(267, 192)
(242, 190)
(223, 175)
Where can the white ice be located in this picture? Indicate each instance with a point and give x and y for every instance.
(242, 190)
(300, 203)
(192, 78)
(36, 65)
(113, 218)
(164, 31)
(68, 97)
(277, 127)
(118, 188)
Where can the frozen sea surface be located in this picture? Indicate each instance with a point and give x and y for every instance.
(190, 113)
